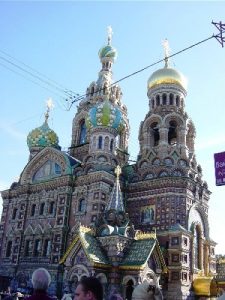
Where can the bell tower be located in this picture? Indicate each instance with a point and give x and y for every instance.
(100, 125)
(167, 128)
(166, 191)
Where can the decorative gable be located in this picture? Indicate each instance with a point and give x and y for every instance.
(47, 164)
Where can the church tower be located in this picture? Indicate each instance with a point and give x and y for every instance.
(101, 128)
(166, 190)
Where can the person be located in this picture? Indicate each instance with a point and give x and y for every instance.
(41, 280)
(67, 296)
(147, 291)
(222, 297)
(115, 296)
(18, 296)
(89, 288)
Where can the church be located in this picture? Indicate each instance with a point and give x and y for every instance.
(89, 212)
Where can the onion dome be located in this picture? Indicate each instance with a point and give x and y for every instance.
(42, 136)
(167, 76)
(107, 115)
(108, 51)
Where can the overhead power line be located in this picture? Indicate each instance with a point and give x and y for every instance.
(24, 69)
(72, 97)
(220, 38)
(143, 69)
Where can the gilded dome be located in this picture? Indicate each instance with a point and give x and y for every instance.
(107, 52)
(42, 136)
(167, 76)
(105, 114)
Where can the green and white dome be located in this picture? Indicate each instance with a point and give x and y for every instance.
(42, 136)
(107, 52)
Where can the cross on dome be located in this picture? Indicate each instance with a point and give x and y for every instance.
(50, 106)
(110, 33)
(166, 47)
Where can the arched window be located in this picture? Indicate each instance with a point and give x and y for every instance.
(33, 207)
(48, 170)
(177, 101)
(51, 207)
(153, 103)
(14, 213)
(47, 247)
(111, 145)
(148, 215)
(27, 248)
(100, 142)
(42, 207)
(92, 91)
(9, 249)
(83, 132)
(37, 247)
(157, 100)
(129, 289)
(164, 98)
(81, 206)
(155, 133)
(172, 134)
(106, 143)
(197, 236)
(171, 99)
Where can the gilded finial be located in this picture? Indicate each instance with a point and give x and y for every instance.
(50, 105)
(117, 172)
(166, 47)
(110, 33)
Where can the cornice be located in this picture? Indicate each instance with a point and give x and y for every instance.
(94, 177)
(62, 181)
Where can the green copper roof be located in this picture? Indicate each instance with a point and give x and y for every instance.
(93, 248)
(139, 252)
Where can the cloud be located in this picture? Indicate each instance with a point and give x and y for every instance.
(12, 131)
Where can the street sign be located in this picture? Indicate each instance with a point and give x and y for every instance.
(219, 162)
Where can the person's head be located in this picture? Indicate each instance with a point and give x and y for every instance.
(89, 288)
(41, 279)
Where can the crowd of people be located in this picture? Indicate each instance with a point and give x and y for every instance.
(89, 288)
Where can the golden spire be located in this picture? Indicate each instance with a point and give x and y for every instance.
(166, 47)
(50, 105)
(117, 172)
(110, 33)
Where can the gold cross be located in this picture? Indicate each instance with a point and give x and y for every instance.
(110, 32)
(166, 47)
(117, 171)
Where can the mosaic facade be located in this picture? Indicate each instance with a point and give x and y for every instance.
(68, 214)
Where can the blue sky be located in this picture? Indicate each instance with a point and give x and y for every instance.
(61, 40)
